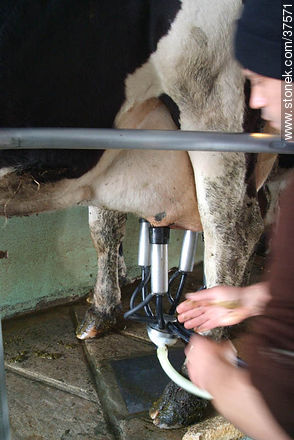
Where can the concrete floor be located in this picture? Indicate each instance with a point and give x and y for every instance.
(60, 388)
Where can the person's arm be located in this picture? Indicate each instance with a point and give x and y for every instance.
(210, 367)
(222, 306)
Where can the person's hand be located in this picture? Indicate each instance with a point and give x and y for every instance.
(209, 363)
(222, 306)
(216, 307)
(211, 367)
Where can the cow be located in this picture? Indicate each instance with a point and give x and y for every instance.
(160, 64)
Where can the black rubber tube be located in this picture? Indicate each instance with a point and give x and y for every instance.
(140, 318)
(139, 306)
(146, 273)
(172, 278)
(175, 330)
(178, 294)
(159, 312)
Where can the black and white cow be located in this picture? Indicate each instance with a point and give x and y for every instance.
(101, 63)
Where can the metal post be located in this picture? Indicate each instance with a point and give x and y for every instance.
(4, 416)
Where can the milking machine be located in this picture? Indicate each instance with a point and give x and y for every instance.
(159, 305)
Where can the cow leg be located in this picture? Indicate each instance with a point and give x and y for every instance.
(230, 215)
(107, 231)
(122, 268)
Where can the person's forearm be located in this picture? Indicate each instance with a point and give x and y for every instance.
(243, 405)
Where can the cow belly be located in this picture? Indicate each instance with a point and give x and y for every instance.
(156, 185)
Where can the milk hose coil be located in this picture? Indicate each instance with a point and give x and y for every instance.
(163, 339)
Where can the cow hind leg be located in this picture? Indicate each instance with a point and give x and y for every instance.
(107, 231)
(122, 268)
(230, 214)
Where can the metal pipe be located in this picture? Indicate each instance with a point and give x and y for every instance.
(159, 238)
(144, 257)
(159, 269)
(4, 415)
(78, 138)
(188, 251)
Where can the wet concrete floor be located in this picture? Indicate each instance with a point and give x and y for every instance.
(60, 388)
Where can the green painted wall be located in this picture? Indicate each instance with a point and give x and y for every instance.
(51, 258)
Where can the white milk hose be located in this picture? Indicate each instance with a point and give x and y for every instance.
(162, 354)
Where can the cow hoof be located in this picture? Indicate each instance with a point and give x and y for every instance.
(176, 408)
(96, 324)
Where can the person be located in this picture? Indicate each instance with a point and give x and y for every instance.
(257, 399)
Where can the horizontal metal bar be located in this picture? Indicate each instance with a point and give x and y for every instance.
(78, 138)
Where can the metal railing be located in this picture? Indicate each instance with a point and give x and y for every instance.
(80, 138)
